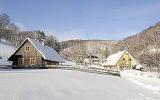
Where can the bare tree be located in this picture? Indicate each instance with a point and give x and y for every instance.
(4, 23)
(53, 42)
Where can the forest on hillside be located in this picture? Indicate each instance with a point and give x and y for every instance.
(78, 50)
(12, 33)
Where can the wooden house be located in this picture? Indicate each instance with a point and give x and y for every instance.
(119, 61)
(35, 54)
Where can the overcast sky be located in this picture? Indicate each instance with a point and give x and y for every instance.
(84, 19)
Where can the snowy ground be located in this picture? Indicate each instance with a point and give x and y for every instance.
(150, 80)
(57, 84)
(4, 62)
(6, 49)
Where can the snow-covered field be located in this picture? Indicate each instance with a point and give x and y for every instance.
(58, 84)
(150, 80)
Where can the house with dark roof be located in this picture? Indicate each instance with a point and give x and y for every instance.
(35, 54)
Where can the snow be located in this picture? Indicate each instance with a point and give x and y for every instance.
(150, 80)
(153, 50)
(57, 84)
(138, 66)
(86, 60)
(4, 62)
(6, 49)
(69, 63)
(97, 66)
(113, 59)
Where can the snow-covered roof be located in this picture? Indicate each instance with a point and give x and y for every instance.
(48, 53)
(113, 59)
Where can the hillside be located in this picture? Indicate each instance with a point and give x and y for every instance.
(76, 50)
(145, 41)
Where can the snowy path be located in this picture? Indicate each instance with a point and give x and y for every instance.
(56, 84)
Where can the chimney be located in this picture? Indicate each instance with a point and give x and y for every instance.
(43, 42)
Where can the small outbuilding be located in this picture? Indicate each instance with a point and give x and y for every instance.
(32, 53)
(91, 60)
(119, 61)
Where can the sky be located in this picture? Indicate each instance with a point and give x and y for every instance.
(83, 19)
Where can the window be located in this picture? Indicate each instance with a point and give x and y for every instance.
(20, 61)
(130, 59)
(32, 61)
(27, 48)
(124, 59)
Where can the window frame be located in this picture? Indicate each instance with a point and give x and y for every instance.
(20, 60)
(124, 59)
(32, 61)
(27, 48)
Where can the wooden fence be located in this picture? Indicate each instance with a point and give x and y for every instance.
(90, 70)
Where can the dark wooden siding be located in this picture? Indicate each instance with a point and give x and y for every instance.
(47, 62)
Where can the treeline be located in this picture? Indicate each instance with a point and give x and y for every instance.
(70, 43)
(12, 33)
(78, 50)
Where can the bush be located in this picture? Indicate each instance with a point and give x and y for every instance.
(151, 61)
